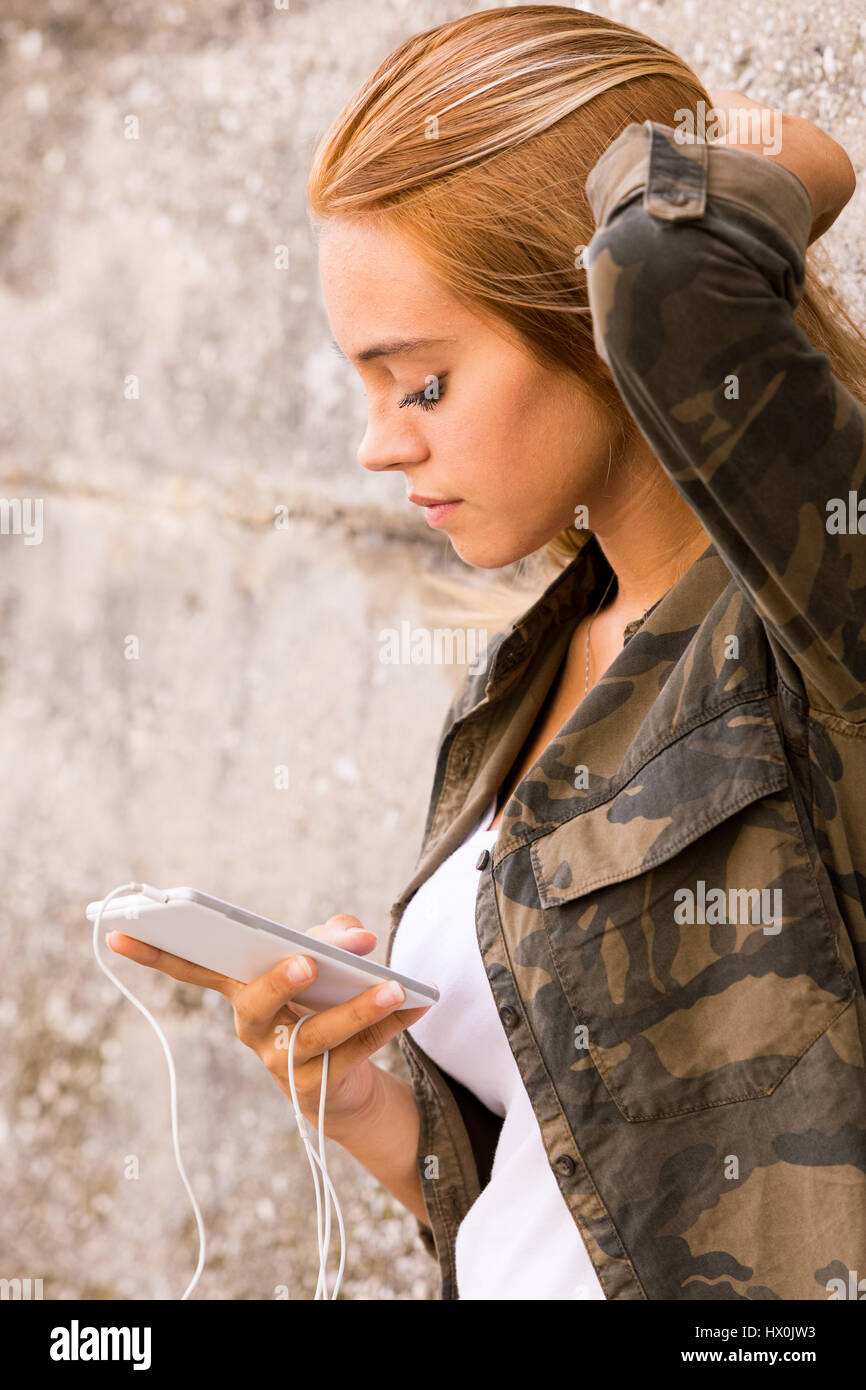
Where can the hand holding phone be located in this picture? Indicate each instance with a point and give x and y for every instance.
(351, 1031)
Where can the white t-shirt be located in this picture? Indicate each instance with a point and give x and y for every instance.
(518, 1240)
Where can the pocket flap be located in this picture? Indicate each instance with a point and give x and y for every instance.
(693, 784)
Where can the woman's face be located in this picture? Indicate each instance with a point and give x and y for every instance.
(516, 446)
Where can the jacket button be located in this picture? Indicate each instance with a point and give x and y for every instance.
(508, 1015)
(565, 1165)
(677, 196)
(483, 859)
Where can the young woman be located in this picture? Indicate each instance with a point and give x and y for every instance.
(586, 328)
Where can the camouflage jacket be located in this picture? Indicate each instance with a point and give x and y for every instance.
(675, 940)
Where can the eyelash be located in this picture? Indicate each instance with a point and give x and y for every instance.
(425, 402)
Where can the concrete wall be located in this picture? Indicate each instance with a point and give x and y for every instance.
(154, 258)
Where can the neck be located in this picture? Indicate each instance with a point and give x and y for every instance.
(649, 535)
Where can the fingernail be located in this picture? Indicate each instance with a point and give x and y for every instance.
(354, 929)
(299, 968)
(391, 993)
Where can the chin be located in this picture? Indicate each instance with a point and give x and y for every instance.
(492, 554)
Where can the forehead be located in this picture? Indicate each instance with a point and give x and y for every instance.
(373, 280)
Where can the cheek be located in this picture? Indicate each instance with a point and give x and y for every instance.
(532, 443)
(503, 436)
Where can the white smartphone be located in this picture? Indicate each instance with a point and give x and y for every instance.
(243, 945)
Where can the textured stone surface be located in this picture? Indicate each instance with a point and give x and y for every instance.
(154, 259)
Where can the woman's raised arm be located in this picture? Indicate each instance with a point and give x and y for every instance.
(693, 286)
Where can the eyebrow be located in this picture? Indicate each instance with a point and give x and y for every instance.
(390, 349)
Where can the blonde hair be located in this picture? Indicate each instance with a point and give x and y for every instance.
(473, 141)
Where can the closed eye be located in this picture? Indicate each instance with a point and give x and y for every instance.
(428, 396)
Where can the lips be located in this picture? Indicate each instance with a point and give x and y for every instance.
(436, 513)
(420, 501)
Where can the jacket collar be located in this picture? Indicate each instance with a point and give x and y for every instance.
(568, 597)
(487, 730)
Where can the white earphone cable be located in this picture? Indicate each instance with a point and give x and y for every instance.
(312, 1155)
(319, 1158)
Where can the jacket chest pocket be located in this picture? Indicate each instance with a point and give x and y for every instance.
(686, 926)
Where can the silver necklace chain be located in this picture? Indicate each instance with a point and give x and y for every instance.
(591, 621)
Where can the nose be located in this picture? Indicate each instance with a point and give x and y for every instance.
(390, 444)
